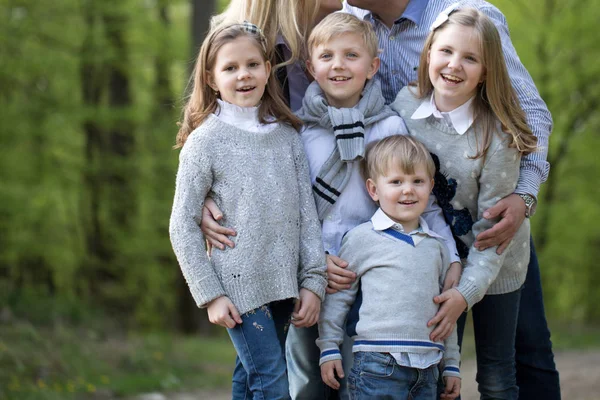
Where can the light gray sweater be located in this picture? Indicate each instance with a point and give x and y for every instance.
(465, 189)
(261, 183)
(397, 282)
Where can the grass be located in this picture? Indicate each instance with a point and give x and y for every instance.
(76, 363)
(63, 362)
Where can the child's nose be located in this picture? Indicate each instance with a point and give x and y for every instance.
(454, 63)
(244, 74)
(338, 63)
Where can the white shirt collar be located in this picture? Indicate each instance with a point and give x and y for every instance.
(381, 222)
(245, 118)
(461, 118)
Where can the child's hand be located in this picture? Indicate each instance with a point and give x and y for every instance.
(221, 311)
(214, 233)
(453, 304)
(452, 389)
(306, 309)
(338, 277)
(452, 276)
(329, 370)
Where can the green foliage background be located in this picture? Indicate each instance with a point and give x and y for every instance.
(90, 93)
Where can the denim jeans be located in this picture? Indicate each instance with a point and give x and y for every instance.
(495, 324)
(378, 376)
(260, 369)
(537, 376)
(302, 356)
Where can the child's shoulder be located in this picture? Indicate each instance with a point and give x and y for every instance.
(405, 101)
(360, 232)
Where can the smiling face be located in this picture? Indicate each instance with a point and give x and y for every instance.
(403, 197)
(240, 73)
(342, 66)
(455, 66)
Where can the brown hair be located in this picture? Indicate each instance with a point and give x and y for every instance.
(496, 99)
(401, 151)
(202, 100)
(336, 24)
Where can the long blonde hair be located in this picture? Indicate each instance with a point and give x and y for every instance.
(202, 100)
(292, 19)
(496, 99)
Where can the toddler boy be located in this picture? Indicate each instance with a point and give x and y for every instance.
(400, 264)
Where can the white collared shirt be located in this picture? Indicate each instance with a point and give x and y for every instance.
(381, 221)
(245, 118)
(461, 118)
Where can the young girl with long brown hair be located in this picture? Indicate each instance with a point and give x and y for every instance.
(240, 146)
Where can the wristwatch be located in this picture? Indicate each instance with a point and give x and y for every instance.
(530, 204)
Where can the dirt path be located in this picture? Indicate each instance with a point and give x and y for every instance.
(579, 378)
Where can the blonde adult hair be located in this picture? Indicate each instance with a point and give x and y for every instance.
(396, 151)
(292, 19)
(202, 100)
(337, 24)
(496, 99)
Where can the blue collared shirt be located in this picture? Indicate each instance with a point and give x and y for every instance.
(401, 47)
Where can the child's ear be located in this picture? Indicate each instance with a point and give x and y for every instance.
(374, 67)
(432, 184)
(211, 82)
(268, 68)
(372, 189)
(428, 56)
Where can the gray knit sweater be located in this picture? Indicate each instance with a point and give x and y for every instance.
(465, 189)
(261, 183)
(398, 282)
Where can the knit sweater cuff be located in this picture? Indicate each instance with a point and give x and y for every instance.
(329, 355)
(206, 290)
(470, 292)
(451, 370)
(316, 285)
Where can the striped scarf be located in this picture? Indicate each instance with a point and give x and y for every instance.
(348, 127)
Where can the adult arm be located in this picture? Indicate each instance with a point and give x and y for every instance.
(534, 167)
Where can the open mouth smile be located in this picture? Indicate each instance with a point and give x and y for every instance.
(246, 89)
(451, 79)
(339, 79)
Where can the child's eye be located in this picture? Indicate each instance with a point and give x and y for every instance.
(253, 65)
(230, 68)
(353, 55)
(470, 58)
(325, 56)
(396, 182)
(446, 51)
(419, 181)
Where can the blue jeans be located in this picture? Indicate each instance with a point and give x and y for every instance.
(495, 324)
(378, 376)
(302, 356)
(537, 376)
(260, 370)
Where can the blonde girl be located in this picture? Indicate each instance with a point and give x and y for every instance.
(466, 112)
(240, 146)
